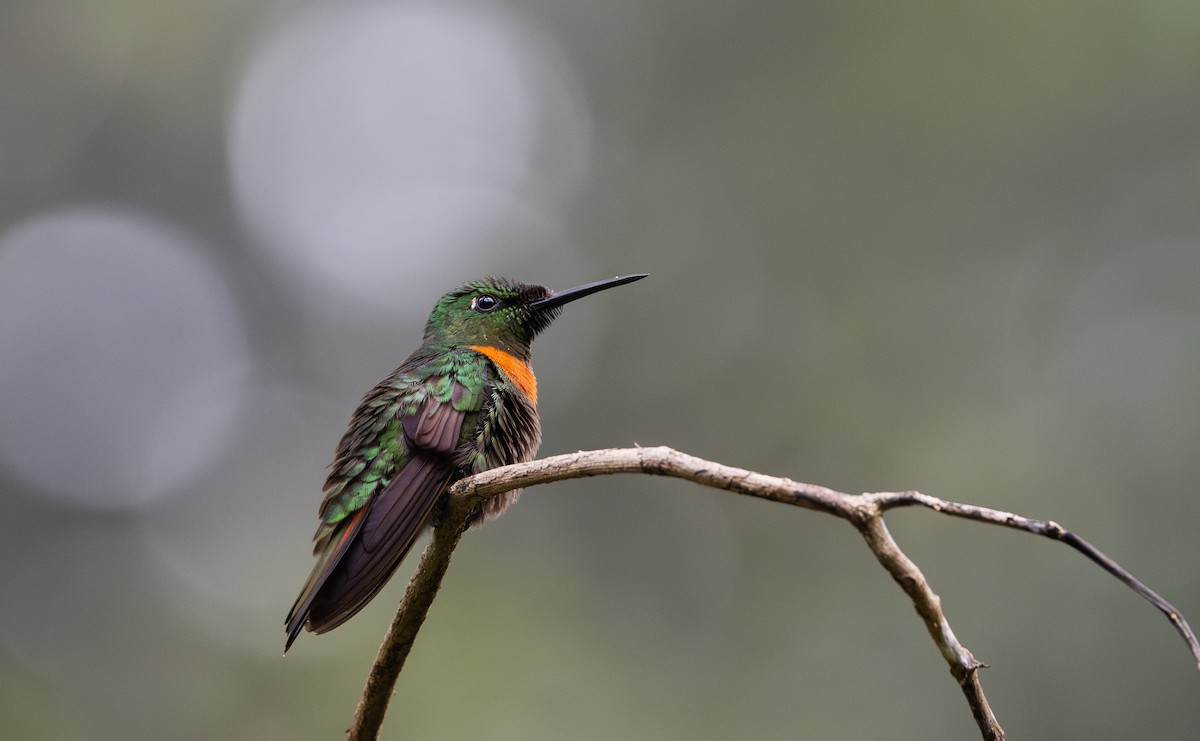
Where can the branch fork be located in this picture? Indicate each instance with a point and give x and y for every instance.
(863, 511)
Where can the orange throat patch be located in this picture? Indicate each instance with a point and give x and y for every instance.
(517, 370)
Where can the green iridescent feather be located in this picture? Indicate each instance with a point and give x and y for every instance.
(445, 413)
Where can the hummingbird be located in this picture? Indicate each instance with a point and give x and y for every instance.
(464, 402)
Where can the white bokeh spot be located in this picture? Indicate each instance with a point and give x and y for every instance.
(380, 145)
(123, 356)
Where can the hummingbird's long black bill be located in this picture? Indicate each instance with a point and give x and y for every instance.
(558, 298)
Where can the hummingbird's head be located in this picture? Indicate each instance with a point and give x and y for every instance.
(503, 313)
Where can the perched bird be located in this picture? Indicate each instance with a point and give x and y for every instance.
(464, 402)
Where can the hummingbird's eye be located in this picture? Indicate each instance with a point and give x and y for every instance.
(485, 303)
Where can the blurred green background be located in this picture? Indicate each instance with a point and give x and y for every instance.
(937, 246)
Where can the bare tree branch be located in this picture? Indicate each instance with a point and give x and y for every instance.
(864, 511)
(1054, 531)
(963, 666)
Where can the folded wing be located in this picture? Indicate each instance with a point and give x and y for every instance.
(359, 553)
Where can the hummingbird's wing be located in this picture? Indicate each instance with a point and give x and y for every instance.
(380, 495)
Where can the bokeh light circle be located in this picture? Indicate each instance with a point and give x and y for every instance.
(123, 356)
(380, 145)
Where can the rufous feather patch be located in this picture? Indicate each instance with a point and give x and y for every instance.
(517, 370)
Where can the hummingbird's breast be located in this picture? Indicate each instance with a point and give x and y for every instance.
(508, 429)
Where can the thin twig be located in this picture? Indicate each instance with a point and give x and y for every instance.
(864, 511)
(1054, 531)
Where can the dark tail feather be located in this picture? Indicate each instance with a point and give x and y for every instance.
(361, 557)
(335, 549)
(388, 533)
